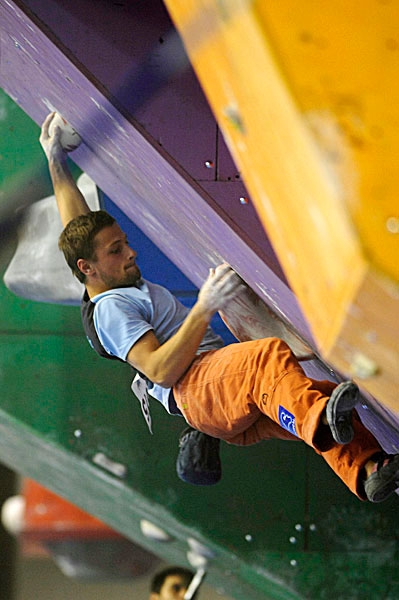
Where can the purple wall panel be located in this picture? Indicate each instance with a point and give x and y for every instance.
(173, 109)
(147, 183)
(135, 53)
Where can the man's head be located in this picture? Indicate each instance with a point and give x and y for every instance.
(98, 253)
(171, 584)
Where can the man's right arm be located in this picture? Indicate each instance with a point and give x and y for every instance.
(70, 201)
(165, 363)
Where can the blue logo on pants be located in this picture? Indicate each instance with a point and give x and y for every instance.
(287, 420)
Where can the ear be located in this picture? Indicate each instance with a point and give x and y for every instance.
(84, 266)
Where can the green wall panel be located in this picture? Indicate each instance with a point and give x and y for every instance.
(22, 316)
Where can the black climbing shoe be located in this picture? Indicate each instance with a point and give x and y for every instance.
(198, 461)
(339, 411)
(384, 480)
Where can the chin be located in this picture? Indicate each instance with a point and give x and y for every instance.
(133, 278)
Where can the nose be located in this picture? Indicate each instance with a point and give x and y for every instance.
(131, 253)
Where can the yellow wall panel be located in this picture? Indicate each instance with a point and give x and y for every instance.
(307, 96)
(341, 62)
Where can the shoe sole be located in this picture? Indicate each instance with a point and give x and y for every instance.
(387, 481)
(343, 399)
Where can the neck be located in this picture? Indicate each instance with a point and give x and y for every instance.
(94, 290)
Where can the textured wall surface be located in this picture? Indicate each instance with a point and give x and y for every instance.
(280, 524)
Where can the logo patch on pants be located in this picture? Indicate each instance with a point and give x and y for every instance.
(287, 420)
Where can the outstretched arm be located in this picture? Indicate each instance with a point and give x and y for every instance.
(165, 364)
(70, 201)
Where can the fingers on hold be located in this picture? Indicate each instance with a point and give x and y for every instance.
(48, 120)
(236, 287)
(233, 279)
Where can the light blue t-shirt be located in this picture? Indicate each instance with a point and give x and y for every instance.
(123, 315)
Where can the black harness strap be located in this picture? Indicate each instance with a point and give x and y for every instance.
(87, 311)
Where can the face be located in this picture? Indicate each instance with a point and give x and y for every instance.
(115, 263)
(173, 589)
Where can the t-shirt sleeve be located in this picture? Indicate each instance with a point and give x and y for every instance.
(120, 323)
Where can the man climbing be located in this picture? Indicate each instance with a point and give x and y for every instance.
(242, 393)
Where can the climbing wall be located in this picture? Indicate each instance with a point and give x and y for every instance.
(300, 93)
(279, 524)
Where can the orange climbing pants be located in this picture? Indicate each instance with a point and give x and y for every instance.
(252, 391)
